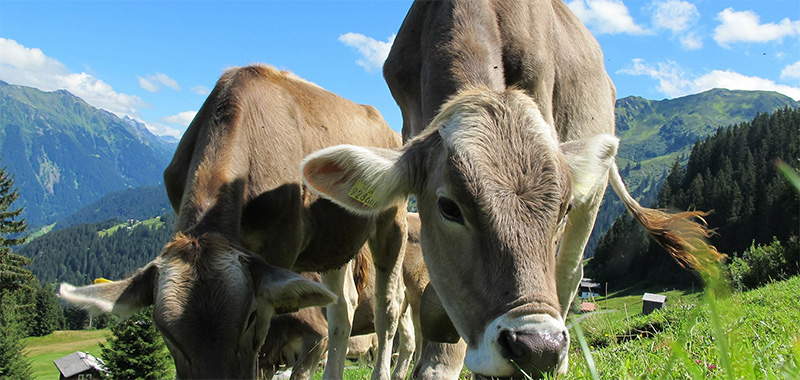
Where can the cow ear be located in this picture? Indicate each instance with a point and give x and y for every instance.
(363, 180)
(121, 298)
(287, 291)
(589, 160)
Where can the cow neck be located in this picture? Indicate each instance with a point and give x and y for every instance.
(474, 48)
(214, 207)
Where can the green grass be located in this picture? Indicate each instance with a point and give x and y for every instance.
(43, 350)
(152, 223)
(752, 335)
(43, 231)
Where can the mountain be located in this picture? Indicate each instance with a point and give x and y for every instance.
(654, 133)
(65, 154)
(651, 128)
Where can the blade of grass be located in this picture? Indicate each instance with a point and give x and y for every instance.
(585, 349)
(790, 174)
(720, 338)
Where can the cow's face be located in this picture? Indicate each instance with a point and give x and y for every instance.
(494, 188)
(212, 303)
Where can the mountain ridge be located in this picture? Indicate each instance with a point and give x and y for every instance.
(65, 154)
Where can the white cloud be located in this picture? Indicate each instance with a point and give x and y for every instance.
(791, 72)
(735, 81)
(164, 130)
(201, 90)
(691, 41)
(31, 67)
(153, 82)
(675, 82)
(678, 16)
(373, 52)
(183, 119)
(746, 26)
(675, 15)
(606, 16)
(148, 85)
(670, 76)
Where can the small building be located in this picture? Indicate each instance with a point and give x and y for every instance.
(588, 289)
(80, 366)
(652, 302)
(588, 307)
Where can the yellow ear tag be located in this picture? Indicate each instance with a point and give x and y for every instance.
(286, 306)
(101, 280)
(364, 194)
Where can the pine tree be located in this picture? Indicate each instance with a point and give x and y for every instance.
(13, 362)
(49, 315)
(17, 286)
(136, 350)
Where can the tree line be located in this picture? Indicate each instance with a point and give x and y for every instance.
(80, 254)
(733, 174)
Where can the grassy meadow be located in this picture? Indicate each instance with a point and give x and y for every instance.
(750, 335)
(43, 350)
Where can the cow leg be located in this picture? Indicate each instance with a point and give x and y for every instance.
(415, 319)
(406, 345)
(340, 319)
(388, 248)
(440, 361)
(314, 348)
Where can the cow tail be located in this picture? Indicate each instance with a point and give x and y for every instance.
(361, 265)
(683, 235)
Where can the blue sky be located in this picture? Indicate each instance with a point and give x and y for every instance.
(156, 61)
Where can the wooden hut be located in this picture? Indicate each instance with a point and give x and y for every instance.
(652, 302)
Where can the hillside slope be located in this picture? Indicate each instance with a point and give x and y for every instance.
(65, 154)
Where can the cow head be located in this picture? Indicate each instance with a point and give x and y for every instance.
(212, 303)
(494, 187)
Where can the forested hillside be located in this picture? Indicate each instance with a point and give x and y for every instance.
(138, 203)
(112, 249)
(732, 173)
(65, 154)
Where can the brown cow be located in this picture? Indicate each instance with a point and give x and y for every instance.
(235, 184)
(508, 115)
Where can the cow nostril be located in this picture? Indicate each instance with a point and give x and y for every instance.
(533, 350)
(511, 345)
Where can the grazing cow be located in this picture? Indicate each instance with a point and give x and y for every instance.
(235, 184)
(508, 115)
(299, 339)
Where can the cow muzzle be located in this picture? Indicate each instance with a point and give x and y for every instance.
(520, 347)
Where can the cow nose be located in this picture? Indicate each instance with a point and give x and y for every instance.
(533, 351)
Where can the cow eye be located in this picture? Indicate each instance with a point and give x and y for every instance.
(450, 210)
